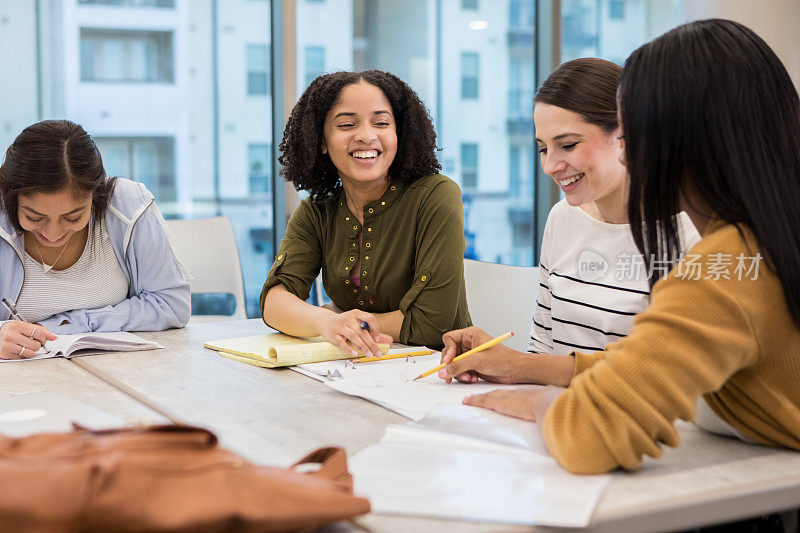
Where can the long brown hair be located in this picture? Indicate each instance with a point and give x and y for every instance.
(586, 86)
(49, 157)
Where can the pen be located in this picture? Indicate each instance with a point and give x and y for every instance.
(477, 349)
(12, 310)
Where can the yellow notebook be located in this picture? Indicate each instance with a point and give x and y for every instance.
(272, 350)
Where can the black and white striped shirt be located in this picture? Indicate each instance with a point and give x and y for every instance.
(592, 281)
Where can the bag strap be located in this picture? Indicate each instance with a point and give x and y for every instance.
(332, 465)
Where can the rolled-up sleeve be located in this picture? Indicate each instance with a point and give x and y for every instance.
(299, 256)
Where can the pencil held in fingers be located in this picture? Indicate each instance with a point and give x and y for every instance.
(477, 349)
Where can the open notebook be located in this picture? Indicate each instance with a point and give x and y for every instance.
(272, 350)
(81, 344)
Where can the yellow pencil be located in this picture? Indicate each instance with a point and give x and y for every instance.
(391, 356)
(477, 349)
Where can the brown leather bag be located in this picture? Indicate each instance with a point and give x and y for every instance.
(163, 478)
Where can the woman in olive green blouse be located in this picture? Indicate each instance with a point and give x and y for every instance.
(385, 228)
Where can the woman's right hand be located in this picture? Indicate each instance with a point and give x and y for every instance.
(498, 364)
(345, 331)
(21, 340)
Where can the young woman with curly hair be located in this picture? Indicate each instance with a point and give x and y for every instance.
(385, 228)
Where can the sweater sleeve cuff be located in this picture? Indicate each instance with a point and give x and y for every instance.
(585, 361)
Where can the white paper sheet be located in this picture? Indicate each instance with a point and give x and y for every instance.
(445, 480)
(333, 370)
(394, 389)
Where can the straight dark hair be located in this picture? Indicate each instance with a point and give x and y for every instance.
(586, 86)
(709, 108)
(49, 157)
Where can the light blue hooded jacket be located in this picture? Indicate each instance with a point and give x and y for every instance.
(158, 286)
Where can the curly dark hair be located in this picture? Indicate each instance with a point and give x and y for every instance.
(304, 164)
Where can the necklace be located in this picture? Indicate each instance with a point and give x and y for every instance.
(48, 268)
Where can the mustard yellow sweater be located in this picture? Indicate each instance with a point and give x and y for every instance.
(730, 340)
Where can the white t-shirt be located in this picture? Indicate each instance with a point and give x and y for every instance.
(96, 280)
(592, 281)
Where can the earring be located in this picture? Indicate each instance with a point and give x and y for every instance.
(324, 149)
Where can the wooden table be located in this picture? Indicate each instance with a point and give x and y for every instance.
(276, 416)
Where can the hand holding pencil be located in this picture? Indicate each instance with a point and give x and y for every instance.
(495, 363)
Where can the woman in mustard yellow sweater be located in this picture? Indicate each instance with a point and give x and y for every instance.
(711, 123)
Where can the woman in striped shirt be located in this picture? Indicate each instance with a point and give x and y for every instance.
(592, 276)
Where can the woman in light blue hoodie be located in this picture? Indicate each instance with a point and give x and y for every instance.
(79, 251)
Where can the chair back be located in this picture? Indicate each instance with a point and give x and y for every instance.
(207, 246)
(502, 298)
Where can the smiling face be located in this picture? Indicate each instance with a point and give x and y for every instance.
(52, 217)
(360, 135)
(583, 159)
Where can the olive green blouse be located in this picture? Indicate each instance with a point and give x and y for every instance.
(411, 252)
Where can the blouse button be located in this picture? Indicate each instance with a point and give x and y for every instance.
(355, 227)
(366, 258)
(393, 188)
(361, 302)
(383, 203)
(369, 229)
(347, 282)
(423, 277)
(355, 291)
(364, 272)
(365, 288)
(368, 245)
(347, 218)
(370, 210)
(345, 269)
(353, 259)
(279, 257)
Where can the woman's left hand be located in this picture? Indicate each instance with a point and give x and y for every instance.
(526, 404)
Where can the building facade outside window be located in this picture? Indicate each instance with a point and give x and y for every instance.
(126, 56)
(469, 166)
(258, 67)
(470, 74)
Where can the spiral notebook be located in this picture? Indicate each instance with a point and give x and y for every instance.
(81, 344)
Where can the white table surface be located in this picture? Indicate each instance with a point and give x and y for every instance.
(63, 376)
(276, 416)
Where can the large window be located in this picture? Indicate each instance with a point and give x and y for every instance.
(178, 95)
(126, 56)
(162, 87)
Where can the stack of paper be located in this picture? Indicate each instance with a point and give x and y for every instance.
(467, 463)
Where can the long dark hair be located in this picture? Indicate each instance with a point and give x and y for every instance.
(49, 157)
(586, 86)
(708, 107)
(304, 164)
